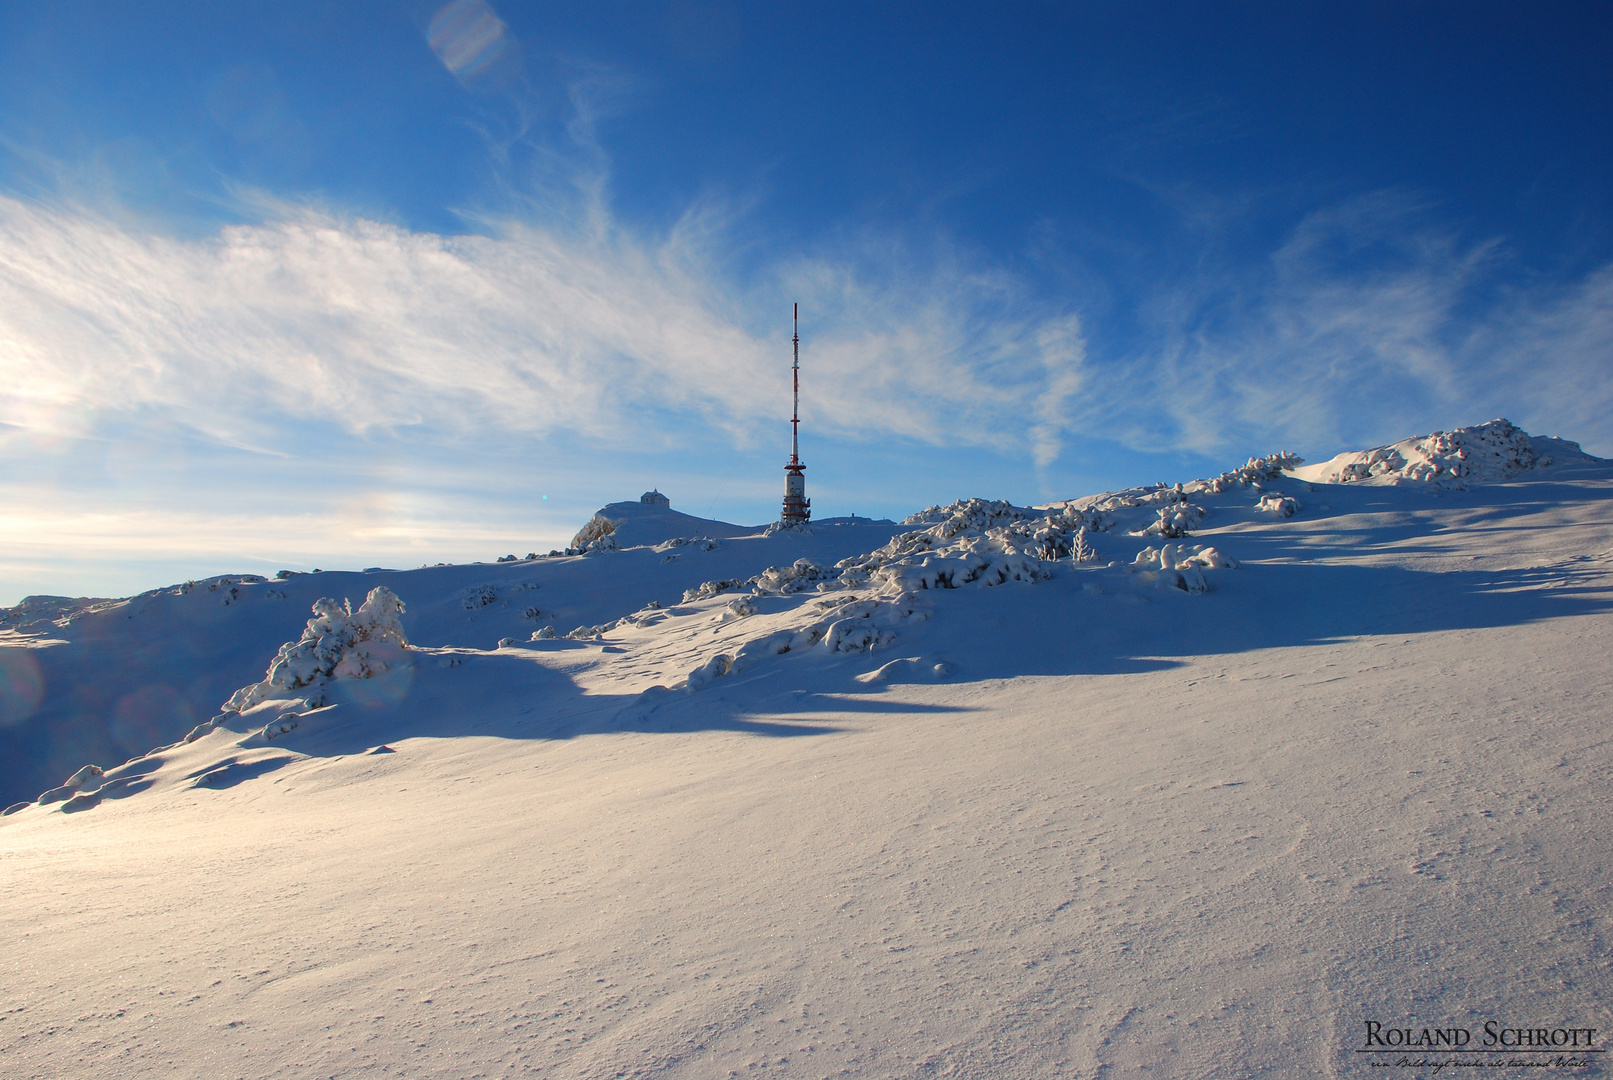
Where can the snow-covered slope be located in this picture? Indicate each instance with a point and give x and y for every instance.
(1195, 780)
(104, 680)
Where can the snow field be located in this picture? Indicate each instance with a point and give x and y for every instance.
(880, 810)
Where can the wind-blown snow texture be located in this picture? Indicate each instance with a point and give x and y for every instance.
(1193, 778)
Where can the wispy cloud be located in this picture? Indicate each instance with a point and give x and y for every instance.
(1369, 323)
(313, 315)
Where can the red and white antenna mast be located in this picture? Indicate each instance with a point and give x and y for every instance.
(797, 507)
(795, 373)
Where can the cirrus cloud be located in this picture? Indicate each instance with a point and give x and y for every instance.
(315, 315)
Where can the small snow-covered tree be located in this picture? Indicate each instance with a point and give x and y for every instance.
(338, 642)
(1080, 550)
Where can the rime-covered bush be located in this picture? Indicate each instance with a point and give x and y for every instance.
(788, 527)
(784, 580)
(708, 589)
(597, 526)
(1080, 550)
(1181, 567)
(1482, 454)
(703, 543)
(971, 542)
(338, 642)
(1281, 505)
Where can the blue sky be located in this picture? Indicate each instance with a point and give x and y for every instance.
(295, 285)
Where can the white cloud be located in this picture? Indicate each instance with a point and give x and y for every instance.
(1362, 326)
(315, 316)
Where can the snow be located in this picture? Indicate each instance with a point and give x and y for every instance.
(999, 791)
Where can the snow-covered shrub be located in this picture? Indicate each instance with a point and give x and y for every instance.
(708, 589)
(284, 724)
(206, 727)
(338, 642)
(477, 596)
(967, 515)
(596, 527)
(703, 543)
(545, 634)
(589, 633)
(784, 580)
(1485, 453)
(972, 542)
(737, 609)
(1181, 567)
(856, 635)
(1175, 556)
(1055, 535)
(1176, 520)
(648, 612)
(1213, 559)
(1080, 550)
(713, 669)
(1162, 496)
(1281, 505)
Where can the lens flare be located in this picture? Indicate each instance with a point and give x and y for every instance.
(22, 686)
(150, 716)
(379, 691)
(468, 37)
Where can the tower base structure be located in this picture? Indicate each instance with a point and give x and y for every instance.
(797, 507)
